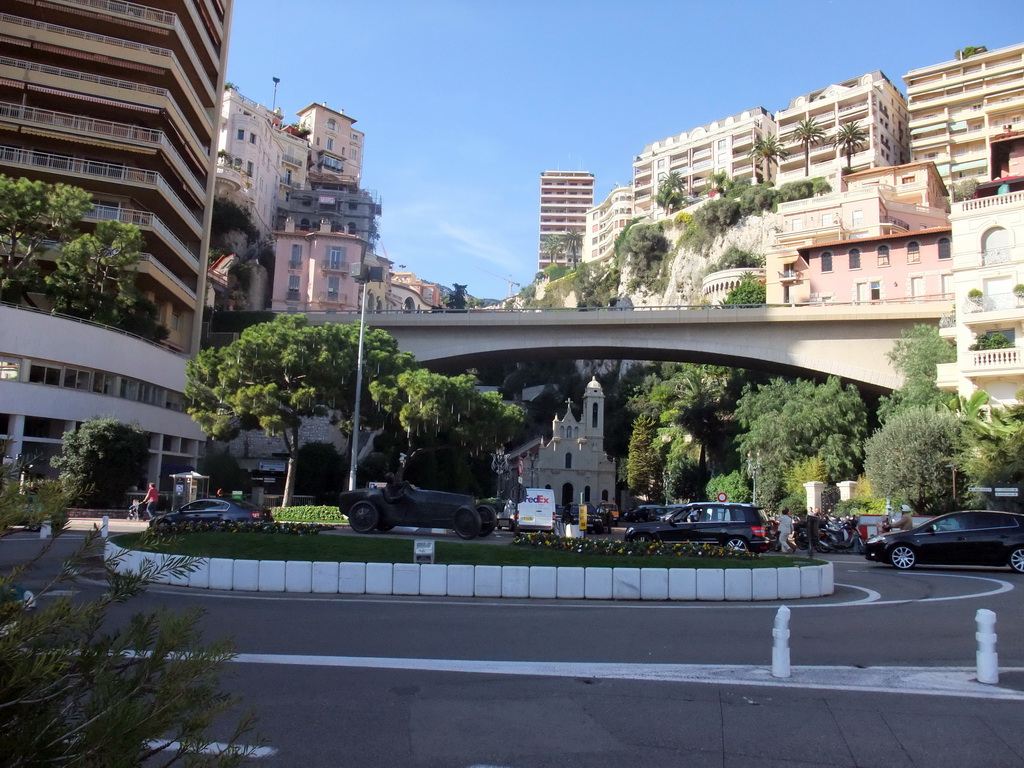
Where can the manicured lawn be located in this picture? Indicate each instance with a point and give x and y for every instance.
(372, 549)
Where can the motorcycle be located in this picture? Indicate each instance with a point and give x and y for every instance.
(843, 535)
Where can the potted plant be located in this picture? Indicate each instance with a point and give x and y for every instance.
(1018, 291)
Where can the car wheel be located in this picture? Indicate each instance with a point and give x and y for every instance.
(467, 523)
(903, 557)
(488, 519)
(1016, 560)
(363, 517)
(737, 544)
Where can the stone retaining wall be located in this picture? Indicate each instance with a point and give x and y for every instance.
(545, 582)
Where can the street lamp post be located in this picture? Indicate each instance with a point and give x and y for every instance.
(359, 393)
(754, 468)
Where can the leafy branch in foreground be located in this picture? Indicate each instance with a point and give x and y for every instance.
(82, 686)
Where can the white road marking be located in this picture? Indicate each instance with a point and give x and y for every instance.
(923, 681)
(217, 748)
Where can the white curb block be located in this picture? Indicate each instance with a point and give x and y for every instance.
(517, 582)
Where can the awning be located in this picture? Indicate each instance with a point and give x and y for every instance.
(969, 166)
(80, 138)
(788, 257)
(94, 99)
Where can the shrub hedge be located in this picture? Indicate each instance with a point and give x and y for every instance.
(309, 514)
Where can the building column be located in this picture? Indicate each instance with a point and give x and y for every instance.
(814, 490)
(847, 489)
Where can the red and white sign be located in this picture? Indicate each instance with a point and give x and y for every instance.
(723, 496)
(519, 466)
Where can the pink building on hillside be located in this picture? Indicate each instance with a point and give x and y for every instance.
(906, 266)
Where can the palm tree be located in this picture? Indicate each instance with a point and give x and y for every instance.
(668, 197)
(809, 133)
(767, 149)
(719, 181)
(552, 246)
(572, 242)
(850, 139)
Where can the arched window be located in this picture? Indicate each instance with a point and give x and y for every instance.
(304, 225)
(409, 305)
(586, 493)
(855, 258)
(351, 228)
(995, 246)
(332, 124)
(883, 255)
(593, 417)
(945, 252)
(913, 252)
(568, 461)
(826, 261)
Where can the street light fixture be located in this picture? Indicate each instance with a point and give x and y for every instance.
(754, 469)
(365, 275)
(276, 81)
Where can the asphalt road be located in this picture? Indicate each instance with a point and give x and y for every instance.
(882, 676)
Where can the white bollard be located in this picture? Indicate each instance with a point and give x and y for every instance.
(780, 646)
(988, 659)
(105, 528)
(44, 531)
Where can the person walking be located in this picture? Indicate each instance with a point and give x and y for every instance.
(151, 500)
(786, 541)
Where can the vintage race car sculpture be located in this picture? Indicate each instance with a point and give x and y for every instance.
(381, 509)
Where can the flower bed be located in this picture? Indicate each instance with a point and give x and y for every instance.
(229, 526)
(612, 548)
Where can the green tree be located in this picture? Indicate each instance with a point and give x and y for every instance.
(552, 246)
(916, 355)
(809, 132)
(749, 291)
(734, 485)
(33, 215)
(850, 139)
(788, 421)
(94, 279)
(994, 450)
(643, 466)
(78, 688)
(279, 373)
(668, 197)
(719, 182)
(572, 242)
(457, 299)
(102, 459)
(446, 412)
(908, 458)
(766, 152)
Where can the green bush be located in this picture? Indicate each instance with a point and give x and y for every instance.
(860, 507)
(309, 514)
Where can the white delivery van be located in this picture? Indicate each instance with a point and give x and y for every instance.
(536, 512)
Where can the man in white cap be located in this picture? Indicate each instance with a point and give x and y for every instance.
(906, 521)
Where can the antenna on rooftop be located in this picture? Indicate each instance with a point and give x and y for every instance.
(276, 81)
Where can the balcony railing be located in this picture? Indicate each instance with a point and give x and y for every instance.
(85, 77)
(97, 170)
(144, 219)
(996, 256)
(1009, 357)
(994, 303)
(326, 265)
(948, 320)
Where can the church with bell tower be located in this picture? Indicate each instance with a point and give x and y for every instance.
(572, 463)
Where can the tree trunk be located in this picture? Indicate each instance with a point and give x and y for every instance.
(293, 460)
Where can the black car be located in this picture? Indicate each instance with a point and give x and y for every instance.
(214, 510)
(736, 526)
(969, 537)
(381, 509)
(648, 512)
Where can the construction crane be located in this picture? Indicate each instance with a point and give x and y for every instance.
(506, 278)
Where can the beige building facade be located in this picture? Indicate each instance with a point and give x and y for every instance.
(605, 222)
(565, 198)
(960, 108)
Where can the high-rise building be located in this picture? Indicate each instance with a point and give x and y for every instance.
(721, 146)
(960, 109)
(605, 222)
(565, 198)
(870, 101)
(122, 100)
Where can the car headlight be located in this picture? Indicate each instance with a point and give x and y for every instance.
(876, 539)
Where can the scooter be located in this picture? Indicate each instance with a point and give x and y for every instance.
(844, 535)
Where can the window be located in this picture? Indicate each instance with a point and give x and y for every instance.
(249, 168)
(568, 461)
(826, 261)
(335, 257)
(240, 134)
(917, 286)
(9, 369)
(104, 383)
(876, 290)
(44, 374)
(913, 252)
(883, 255)
(593, 417)
(293, 285)
(796, 225)
(944, 250)
(947, 284)
(296, 258)
(827, 220)
(330, 144)
(76, 379)
(907, 180)
(855, 258)
(252, 138)
(332, 124)
(857, 218)
(332, 288)
(175, 322)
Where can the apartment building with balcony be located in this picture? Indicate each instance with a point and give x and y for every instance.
(988, 276)
(605, 222)
(120, 99)
(874, 203)
(411, 294)
(960, 109)
(872, 102)
(565, 198)
(722, 145)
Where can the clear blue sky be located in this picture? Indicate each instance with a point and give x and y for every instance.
(465, 102)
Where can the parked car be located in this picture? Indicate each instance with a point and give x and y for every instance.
(507, 515)
(736, 526)
(214, 510)
(596, 521)
(381, 509)
(968, 537)
(610, 510)
(645, 513)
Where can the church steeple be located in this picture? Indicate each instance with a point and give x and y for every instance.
(592, 421)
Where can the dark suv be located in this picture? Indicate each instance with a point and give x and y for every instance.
(736, 526)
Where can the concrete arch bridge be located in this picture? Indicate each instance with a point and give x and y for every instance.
(850, 341)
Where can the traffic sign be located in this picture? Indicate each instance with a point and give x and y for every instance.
(723, 496)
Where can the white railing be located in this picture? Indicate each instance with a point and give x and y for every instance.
(1009, 357)
(150, 259)
(144, 219)
(1001, 255)
(995, 201)
(994, 303)
(135, 10)
(99, 170)
(109, 82)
